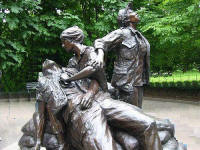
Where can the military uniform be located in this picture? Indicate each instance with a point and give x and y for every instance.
(131, 68)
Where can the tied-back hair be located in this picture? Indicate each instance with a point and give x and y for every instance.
(73, 34)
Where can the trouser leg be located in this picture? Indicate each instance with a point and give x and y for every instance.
(140, 95)
(99, 138)
(129, 97)
(89, 130)
(134, 97)
(58, 129)
(134, 121)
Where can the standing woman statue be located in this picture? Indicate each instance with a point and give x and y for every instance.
(131, 68)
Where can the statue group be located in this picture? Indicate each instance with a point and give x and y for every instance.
(77, 110)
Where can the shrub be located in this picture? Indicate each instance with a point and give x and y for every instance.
(195, 85)
(187, 85)
(157, 84)
(179, 85)
(165, 85)
(152, 84)
(171, 84)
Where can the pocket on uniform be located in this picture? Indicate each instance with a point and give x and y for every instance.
(119, 80)
(130, 43)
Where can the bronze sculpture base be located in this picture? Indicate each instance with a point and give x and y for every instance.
(107, 125)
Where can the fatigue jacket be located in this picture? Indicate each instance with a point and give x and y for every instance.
(132, 65)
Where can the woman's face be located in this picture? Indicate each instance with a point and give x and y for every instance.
(133, 16)
(68, 46)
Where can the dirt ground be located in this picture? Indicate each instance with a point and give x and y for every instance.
(185, 116)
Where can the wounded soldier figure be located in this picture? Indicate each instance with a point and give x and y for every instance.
(107, 125)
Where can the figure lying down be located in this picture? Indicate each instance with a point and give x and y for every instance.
(107, 125)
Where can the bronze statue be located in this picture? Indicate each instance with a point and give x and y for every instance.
(131, 68)
(83, 115)
(72, 39)
(112, 109)
(49, 105)
(53, 107)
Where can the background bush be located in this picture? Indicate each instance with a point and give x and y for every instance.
(30, 33)
(187, 85)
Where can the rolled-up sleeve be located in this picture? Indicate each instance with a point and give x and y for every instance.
(109, 41)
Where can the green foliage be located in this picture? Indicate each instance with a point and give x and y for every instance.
(30, 33)
(165, 85)
(187, 85)
(172, 27)
(189, 80)
(178, 76)
(171, 84)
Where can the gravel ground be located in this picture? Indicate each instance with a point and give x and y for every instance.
(185, 116)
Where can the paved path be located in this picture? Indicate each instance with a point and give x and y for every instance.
(186, 118)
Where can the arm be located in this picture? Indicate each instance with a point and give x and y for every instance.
(39, 122)
(99, 61)
(100, 53)
(88, 70)
(84, 73)
(93, 87)
(109, 41)
(89, 96)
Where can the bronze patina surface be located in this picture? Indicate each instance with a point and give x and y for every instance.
(131, 68)
(108, 124)
(74, 111)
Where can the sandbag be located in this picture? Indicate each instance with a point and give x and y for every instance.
(27, 148)
(26, 141)
(50, 141)
(29, 128)
(172, 144)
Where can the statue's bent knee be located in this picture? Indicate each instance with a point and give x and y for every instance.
(151, 138)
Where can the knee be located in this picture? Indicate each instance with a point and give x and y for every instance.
(150, 123)
(151, 126)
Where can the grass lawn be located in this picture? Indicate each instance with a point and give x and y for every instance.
(178, 77)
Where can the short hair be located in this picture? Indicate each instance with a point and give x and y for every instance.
(123, 15)
(72, 34)
(50, 66)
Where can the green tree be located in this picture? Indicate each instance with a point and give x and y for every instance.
(172, 26)
(30, 33)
